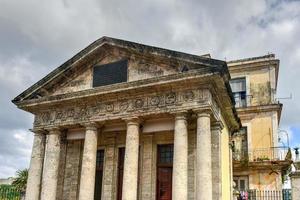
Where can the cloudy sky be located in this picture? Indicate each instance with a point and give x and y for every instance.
(36, 36)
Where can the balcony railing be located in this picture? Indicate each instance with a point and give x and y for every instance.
(284, 194)
(262, 154)
(242, 101)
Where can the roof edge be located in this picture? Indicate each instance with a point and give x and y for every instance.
(141, 48)
(256, 58)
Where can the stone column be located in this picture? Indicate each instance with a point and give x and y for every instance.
(203, 159)
(216, 160)
(88, 169)
(180, 160)
(51, 165)
(36, 167)
(130, 177)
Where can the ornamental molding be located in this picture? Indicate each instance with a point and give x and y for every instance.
(119, 108)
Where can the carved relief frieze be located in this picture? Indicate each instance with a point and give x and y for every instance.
(188, 95)
(155, 100)
(170, 98)
(99, 109)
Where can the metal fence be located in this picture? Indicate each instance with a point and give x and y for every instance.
(242, 101)
(9, 193)
(261, 154)
(284, 194)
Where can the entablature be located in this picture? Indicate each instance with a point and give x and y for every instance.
(246, 113)
(199, 89)
(151, 104)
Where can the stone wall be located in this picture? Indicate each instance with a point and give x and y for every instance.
(72, 169)
(146, 168)
(110, 168)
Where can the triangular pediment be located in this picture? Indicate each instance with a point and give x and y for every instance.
(143, 62)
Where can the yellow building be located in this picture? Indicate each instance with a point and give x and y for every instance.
(258, 159)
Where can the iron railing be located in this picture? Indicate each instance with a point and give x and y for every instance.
(262, 154)
(242, 101)
(284, 194)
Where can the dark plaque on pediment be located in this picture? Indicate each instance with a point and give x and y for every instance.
(110, 73)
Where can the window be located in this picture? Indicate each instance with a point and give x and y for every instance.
(99, 174)
(110, 73)
(100, 159)
(240, 145)
(241, 183)
(164, 172)
(120, 172)
(165, 154)
(238, 87)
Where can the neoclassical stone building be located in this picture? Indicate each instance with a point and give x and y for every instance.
(122, 120)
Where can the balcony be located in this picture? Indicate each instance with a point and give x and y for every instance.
(243, 100)
(262, 154)
(284, 194)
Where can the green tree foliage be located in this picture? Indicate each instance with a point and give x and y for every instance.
(20, 181)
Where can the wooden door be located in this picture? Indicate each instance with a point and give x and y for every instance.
(164, 172)
(164, 183)
(99, 174)
(120, 172)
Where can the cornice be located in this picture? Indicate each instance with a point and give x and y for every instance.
(133, 47)
(260, 109)
(254, 65)
(173, 80)
(263, 165)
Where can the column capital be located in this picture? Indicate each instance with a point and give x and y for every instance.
(202, 112)
(180, 114)
(133, 120)
(92, 125)
(53, 130)
(218, 125)
(38, 131)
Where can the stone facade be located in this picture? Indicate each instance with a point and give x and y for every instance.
(169, 98)
(147, 177)
(72, 169)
